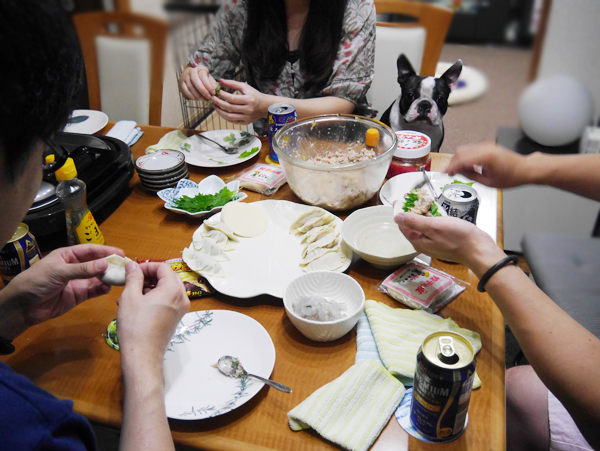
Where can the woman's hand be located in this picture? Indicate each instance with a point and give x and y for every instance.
(240, 109)
(151, 305)
(489, 164)
(58, 282)
(450, 239)
(196, 83)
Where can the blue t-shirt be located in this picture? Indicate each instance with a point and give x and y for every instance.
(33, 419)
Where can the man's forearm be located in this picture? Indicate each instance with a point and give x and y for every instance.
(563, 353)
(579, 174)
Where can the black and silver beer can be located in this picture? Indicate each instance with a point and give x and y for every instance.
(20, 253)
(442, 386)
(460, 201)
(280, 114)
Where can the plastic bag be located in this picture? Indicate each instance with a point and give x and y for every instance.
(422, 287)
(195, 285)
(263, 178)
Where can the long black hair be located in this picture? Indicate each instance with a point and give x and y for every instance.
(42, 71)
(265, 45)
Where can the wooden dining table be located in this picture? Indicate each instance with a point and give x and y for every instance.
(68, 356)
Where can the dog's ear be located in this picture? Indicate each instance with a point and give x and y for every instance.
(452, 74)
(405, 69)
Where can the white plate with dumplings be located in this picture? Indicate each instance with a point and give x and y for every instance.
(267, 264)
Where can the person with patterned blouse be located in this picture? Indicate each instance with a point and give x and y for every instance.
(316, 55)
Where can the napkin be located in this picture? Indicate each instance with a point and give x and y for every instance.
(352, 410)
(399, 332)
(366, 348)
(171, 140)
(126, 131)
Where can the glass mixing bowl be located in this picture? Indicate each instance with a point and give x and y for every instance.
(303, 145)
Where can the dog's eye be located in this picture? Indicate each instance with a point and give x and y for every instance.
(410, 96)
(439, 98)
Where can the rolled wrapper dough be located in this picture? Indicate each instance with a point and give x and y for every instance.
(115, 273)
(245, 220)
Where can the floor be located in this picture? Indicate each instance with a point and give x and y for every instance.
(507, 70)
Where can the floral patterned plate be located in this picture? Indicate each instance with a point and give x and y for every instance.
(199, 152)
(210, 185)
(194, 388)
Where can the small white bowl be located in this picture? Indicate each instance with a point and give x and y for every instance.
(333, 286)
(372, 233)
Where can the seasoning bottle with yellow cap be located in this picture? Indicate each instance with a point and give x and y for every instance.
(372, 138)
(71, 191)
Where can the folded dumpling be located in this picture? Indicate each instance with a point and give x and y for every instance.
(328, 262)
(216, 236)
(327, 240)
(210, 248)
(307, 221)
(203, 264)
(221, 227)
(317, 232)
(115, 273)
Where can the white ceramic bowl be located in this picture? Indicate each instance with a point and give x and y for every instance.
(372, 233)
(333, 286)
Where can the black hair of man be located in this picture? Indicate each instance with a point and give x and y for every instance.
(265, 44)
(41, 72)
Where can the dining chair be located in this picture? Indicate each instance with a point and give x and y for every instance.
(421, 40)
(124, 57)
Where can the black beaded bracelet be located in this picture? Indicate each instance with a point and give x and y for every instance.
(490, 272)
(6, 346)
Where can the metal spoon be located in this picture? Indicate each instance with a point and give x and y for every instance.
(232, 367)
(226, 149)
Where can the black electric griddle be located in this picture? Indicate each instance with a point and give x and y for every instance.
(105, 165)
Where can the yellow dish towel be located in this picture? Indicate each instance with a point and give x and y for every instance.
(353, 409)
(399, 332)
(171, 140)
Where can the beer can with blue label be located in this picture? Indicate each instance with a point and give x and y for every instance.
(20, 253)
(460, 201)
(442, 386)
(280, 114)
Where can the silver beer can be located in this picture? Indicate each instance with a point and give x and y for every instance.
(460, 201)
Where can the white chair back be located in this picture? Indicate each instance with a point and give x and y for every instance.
(124, 77)
(390, 43)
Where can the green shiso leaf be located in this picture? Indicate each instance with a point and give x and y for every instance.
(204, 202)
(410, 200)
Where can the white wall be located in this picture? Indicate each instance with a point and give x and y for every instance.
(171, 107)
(571, 44)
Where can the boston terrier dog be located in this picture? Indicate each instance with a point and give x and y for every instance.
(422, 102)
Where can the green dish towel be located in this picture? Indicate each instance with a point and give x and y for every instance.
(171, 140)
(399, 332)
(352, 410)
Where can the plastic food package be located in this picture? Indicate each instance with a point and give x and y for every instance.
(263, 178)
(422, 287)
(195, 285)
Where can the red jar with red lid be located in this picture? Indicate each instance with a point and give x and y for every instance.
(412, 154)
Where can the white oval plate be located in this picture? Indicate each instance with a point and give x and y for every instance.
(396, 187)
(199, 152)
(96, 121)
(194, 389)
(210, 185)
(266, 264)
